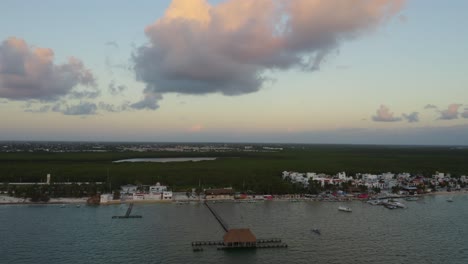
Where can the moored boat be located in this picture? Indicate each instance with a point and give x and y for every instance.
(344, 209)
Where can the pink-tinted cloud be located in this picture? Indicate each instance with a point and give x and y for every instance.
(451, 112)
(197, 48)
(30, 73)
(383, 114)
(195, 128)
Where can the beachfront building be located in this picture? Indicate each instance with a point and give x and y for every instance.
(107, 197)
(219, 194)
(157, 188)
(167, 195)
(145, 192)
(128, 189)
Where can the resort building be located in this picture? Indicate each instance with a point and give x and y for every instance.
(219, 194)
(128, 189)
(158, 188)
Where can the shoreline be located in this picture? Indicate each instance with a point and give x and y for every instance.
(8, 200)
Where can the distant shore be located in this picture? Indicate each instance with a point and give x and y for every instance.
(8, 200)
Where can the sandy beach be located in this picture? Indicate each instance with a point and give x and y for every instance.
(4, 199)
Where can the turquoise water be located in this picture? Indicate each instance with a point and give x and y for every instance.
(430, 230)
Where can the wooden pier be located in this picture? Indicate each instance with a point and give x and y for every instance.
(220, 245)
(127, 214)
(236, 238)
(217, 217)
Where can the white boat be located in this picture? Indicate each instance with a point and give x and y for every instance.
(399, 205)
(449, 200)
(396, 204)
(344, 209)
(374, 202)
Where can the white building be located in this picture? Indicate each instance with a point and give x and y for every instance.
(158, 188)
(167, 195)
(106, 198)
(387, 176)
(129, 188)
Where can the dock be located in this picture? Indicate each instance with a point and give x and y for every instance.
(217, 217)
(236, 238)
(220, 245)
(127, 214)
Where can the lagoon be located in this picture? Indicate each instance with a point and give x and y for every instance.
(164, 160)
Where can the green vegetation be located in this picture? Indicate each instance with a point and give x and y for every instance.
(255, 171)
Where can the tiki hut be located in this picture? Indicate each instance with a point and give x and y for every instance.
(239, 238)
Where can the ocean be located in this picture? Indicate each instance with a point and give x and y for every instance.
(430, 230)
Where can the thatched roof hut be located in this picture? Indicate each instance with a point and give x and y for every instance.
(239, 238)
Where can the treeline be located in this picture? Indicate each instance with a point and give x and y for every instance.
(244, 171)
(43, 192)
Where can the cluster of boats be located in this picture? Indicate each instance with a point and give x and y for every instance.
(387, 203)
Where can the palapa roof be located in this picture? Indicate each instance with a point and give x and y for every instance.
(219, 191)
(242, 235)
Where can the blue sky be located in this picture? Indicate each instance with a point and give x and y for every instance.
(389, 68)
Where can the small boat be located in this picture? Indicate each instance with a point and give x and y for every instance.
(316, 231)
(62, 206)
(344, 209)
(409, 199)
(78, 205)
(374, 202)
(450, 200)
(390, 206)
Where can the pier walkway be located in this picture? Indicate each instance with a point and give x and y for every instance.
(218, 218)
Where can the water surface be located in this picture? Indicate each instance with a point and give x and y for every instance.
(431, 230)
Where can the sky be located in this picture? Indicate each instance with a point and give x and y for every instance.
(297, 71)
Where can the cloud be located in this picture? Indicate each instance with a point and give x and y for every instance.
(88, 93)
(112, 44)
(113, 108)
(30, 73)
(383, 114)
(450, 113)
(195, 128)
(42, 109)
(197, 48)
(116, 89)
(411, 118)
(149, 101)
(82, 108)
(430, 106)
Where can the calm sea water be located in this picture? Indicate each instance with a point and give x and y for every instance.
(430, 230)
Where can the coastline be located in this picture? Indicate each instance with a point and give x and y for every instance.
(8, 200)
